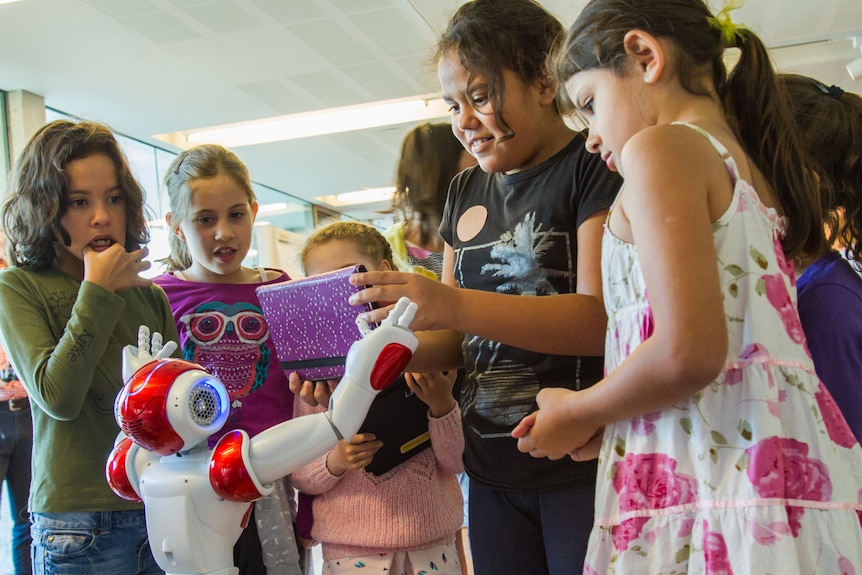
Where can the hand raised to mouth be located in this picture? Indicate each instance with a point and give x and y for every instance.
(114, 268)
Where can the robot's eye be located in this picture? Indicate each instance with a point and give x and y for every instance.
(207, 327)
(250, 327)
(204, 404)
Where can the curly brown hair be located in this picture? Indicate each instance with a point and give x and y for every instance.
(36, 202)
(367, 238)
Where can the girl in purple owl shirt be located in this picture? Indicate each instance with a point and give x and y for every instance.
(221, 327)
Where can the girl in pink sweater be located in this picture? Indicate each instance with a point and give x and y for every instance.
(403, 521)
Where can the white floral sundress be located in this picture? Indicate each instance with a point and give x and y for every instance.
(758, 473)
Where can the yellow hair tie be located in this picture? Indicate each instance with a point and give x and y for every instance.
(723, 23)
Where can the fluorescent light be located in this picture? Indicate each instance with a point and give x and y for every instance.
(8, 1)
(368, 196)
(278, 208)
(317, 123)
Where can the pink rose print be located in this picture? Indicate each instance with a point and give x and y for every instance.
(650, 481)
(845, 566)
(778, 296)
(732, 376)
(647, 481)
(715, 552)
(627, 531)
(644, 425)
(767, 534)
(775, 406)
(754, 351)
(588, 570)
(685, 528)
(787, 267)
(647, 325)
(780, 467)
(836, 426)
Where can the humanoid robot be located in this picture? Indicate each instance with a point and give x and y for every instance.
(197, 499)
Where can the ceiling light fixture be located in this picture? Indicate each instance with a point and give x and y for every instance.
(317, 123)
(368, 196)
(854, 68)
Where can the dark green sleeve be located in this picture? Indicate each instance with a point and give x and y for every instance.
(56, 358)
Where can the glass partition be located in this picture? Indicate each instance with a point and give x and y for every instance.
(279, 212)
(4, 146)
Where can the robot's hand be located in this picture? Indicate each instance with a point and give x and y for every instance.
(382, 354)
(147, 350)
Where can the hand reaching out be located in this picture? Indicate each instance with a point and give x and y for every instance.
(428, 294)
(115, 269)
(355, 454)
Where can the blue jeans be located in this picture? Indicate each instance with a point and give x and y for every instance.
(530, 532)
(98, 543)
(16, 444)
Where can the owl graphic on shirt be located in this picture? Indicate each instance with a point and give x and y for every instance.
(229, 340)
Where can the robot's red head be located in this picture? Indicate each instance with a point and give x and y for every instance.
(171, 405)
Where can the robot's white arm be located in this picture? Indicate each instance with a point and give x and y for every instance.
(372, 364)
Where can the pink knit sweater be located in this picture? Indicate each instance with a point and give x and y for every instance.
(416, 505)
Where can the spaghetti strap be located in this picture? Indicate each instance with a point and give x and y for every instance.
(728, 160)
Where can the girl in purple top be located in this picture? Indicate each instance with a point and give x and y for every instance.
(221, 326)
(829, 288)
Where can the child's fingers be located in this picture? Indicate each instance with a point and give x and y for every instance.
(524, 426)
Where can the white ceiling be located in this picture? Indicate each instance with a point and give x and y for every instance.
(148, 67)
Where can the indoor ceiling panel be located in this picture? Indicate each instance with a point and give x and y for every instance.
(289, 12)
(329, 89)
(380, 82)
(359, 6)
(146, 19)
(281, 99)
(220, 16)
(148, 67)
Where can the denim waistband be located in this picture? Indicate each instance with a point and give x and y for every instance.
(90, 519)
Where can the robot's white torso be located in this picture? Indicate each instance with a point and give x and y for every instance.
(191, 528)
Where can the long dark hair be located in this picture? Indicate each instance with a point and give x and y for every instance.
(830, 121)
(490, 36)
(38, 191)
(756, 109)
(430, 158)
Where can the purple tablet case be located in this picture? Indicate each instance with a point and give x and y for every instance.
(311, 324)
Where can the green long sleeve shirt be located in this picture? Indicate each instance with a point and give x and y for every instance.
(65, 339)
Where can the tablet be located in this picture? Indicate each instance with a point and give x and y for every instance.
(399, 419)
(311, 323)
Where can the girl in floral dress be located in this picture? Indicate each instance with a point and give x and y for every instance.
(722, 452)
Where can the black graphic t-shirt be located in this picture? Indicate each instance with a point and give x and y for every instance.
(527, 245)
